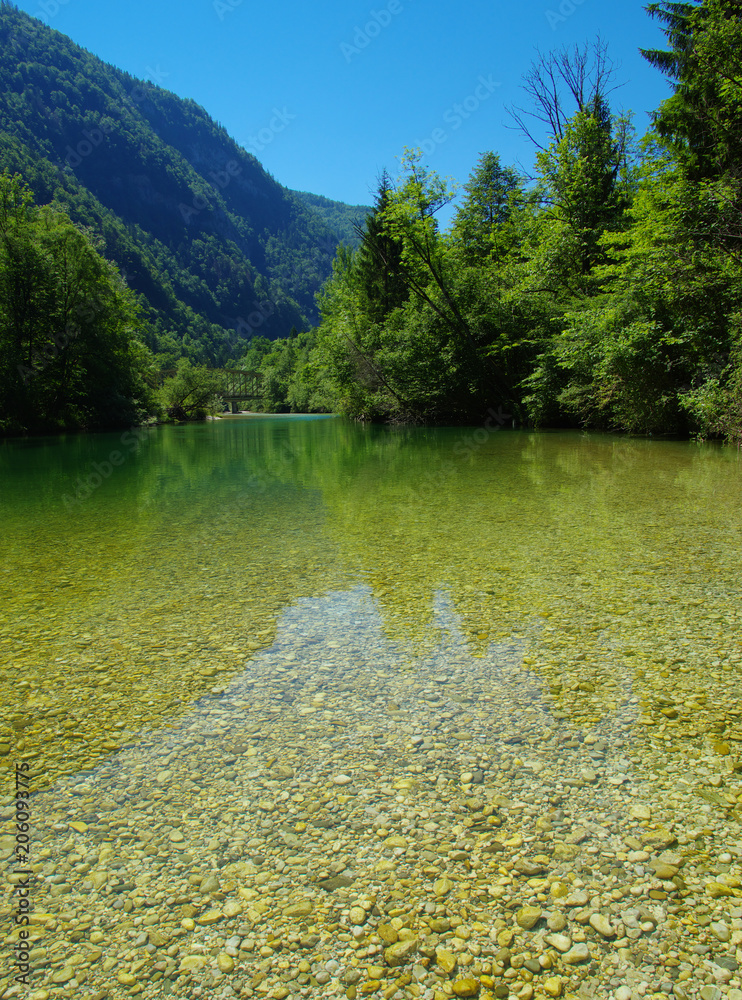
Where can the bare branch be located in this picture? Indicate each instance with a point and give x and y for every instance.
(561, 83)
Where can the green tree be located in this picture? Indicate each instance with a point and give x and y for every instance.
(69, 351)
(480, 226)
(586, 182)
(191, 393)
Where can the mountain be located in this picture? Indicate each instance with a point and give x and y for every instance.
(340, 218)
(214, 247)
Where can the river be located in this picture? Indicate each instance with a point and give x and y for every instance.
(301, 699)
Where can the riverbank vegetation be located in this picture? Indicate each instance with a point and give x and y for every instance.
(605, 291)
(70, 353)
(602, 291)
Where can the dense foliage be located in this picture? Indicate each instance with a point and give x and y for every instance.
(608, 293)
(213, 247)
(70, 356)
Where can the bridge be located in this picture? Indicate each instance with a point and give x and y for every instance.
(234, 386)
(239, 386)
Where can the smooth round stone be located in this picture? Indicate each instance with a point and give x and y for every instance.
(126, 979)
(528, 917)
(577, 954)
(556, 922)
(711, 993)
(721, 932)
(562, 942)
(602, 925)
(301, 909)
(193, 963)
(623, 993)
(63, 975)
(357, 915)
(395, 842)
(553, 986)
(342, 779)
(442, 887)
(209, 884)
(225, 962)
(466, 987)
(640, 811)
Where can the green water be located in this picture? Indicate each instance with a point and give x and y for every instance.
(615, 564)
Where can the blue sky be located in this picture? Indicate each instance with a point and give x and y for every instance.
(327, 94)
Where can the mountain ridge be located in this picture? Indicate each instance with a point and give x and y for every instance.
(204, 235)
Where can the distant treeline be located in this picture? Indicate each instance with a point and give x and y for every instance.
(606, 291)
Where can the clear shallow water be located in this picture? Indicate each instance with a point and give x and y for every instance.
(602, 555)
(264, 654)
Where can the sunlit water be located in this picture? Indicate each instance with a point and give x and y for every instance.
(117, 611)
(153, 583)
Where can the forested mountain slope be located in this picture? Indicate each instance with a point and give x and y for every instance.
(214, 247)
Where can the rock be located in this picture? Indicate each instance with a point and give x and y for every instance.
(552, 986)
(562, 942)
(401, 952)
(335, 882)
(193, 963)
(387, 933)
(446, 960)
(664, 871)
(126, 979)
(565, 852)
(623, 993)
(209, 884)
(577, 953)
(63, 975)
(556, 921)
(717, 890)
(342, 779)
(225, 962)
(711, 993)
(721, 932)
(301, 909)
(602, 925)
(442, 887)
(466, 988)
(396, 842)
(641, 812)
(528, 916)
(529, 868)
(357, 915)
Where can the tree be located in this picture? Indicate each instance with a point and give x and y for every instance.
(479, 226)
(69, 351)
(379, 259)
(560, 84)
(702, 121)
(582, 175)
(191, 393)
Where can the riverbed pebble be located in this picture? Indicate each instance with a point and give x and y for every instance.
(252, 871)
